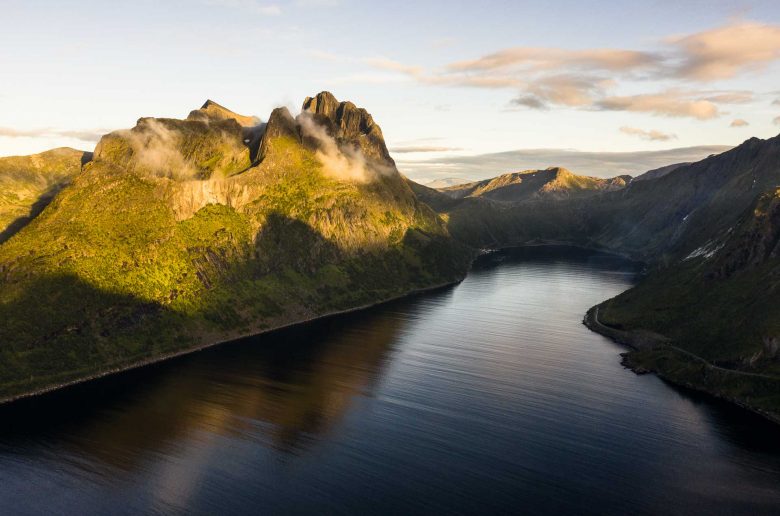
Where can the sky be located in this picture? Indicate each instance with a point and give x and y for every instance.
(452, 84)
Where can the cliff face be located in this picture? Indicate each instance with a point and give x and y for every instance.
(173, 237)
(756, 240)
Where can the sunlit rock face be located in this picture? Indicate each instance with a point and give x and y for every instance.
(210, 111)
(347, 122)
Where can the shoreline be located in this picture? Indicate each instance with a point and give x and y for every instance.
(644, 341)
(562, 243)
(479, 253)
(176, 354)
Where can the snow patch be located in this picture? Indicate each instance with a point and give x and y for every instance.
(706, 251)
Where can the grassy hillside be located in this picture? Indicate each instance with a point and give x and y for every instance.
(722, 305)
(180, 241)
(28, 183)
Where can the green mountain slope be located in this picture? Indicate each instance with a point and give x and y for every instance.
(707, 315)
(182, 233)
(29, 183)
(721, 304)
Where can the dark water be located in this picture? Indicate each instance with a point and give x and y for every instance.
(488, 397)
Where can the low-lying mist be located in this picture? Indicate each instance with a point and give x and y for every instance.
(341, 162)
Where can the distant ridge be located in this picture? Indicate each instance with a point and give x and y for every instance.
(447, 182)
(553, 182)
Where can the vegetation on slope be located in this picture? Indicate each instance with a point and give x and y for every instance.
(141, 257)
(707, 314)
(29, 183)
(720, 309)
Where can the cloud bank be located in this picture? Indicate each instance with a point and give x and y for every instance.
(86, 135)
(421, 148)
(598, 164)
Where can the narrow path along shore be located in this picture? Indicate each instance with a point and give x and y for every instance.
(615, 334)
(647, 340)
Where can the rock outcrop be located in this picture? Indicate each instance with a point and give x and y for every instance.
(348, 123)
(210, 110)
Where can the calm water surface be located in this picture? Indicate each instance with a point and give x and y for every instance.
(487, 397)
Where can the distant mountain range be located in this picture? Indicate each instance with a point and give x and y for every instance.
(177, 234)
(707, 314)
(447, 181)
(553, 183)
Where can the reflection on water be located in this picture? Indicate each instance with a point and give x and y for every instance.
(487, 396)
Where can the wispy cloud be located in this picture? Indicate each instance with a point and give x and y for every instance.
(670, 103)
(546, 77)
(565, 90)
(731, 97)
(422, 148)
(651, 135)
(738, 122)
(318, 3)
(86, 135)
(727, 51)
(254, 6)
(542, 59)
(776, 120)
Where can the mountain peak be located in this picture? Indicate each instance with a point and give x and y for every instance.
(347, 122)
(324, 103)
(211, 110)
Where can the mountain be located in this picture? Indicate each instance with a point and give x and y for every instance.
(690, 207)
(707, 313)
(659, 172)
(446, 182)
(182, 233)
(29, 183)
(554, 183)
(210, 110)
(711, 321)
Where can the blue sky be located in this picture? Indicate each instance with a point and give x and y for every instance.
(443, 79)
